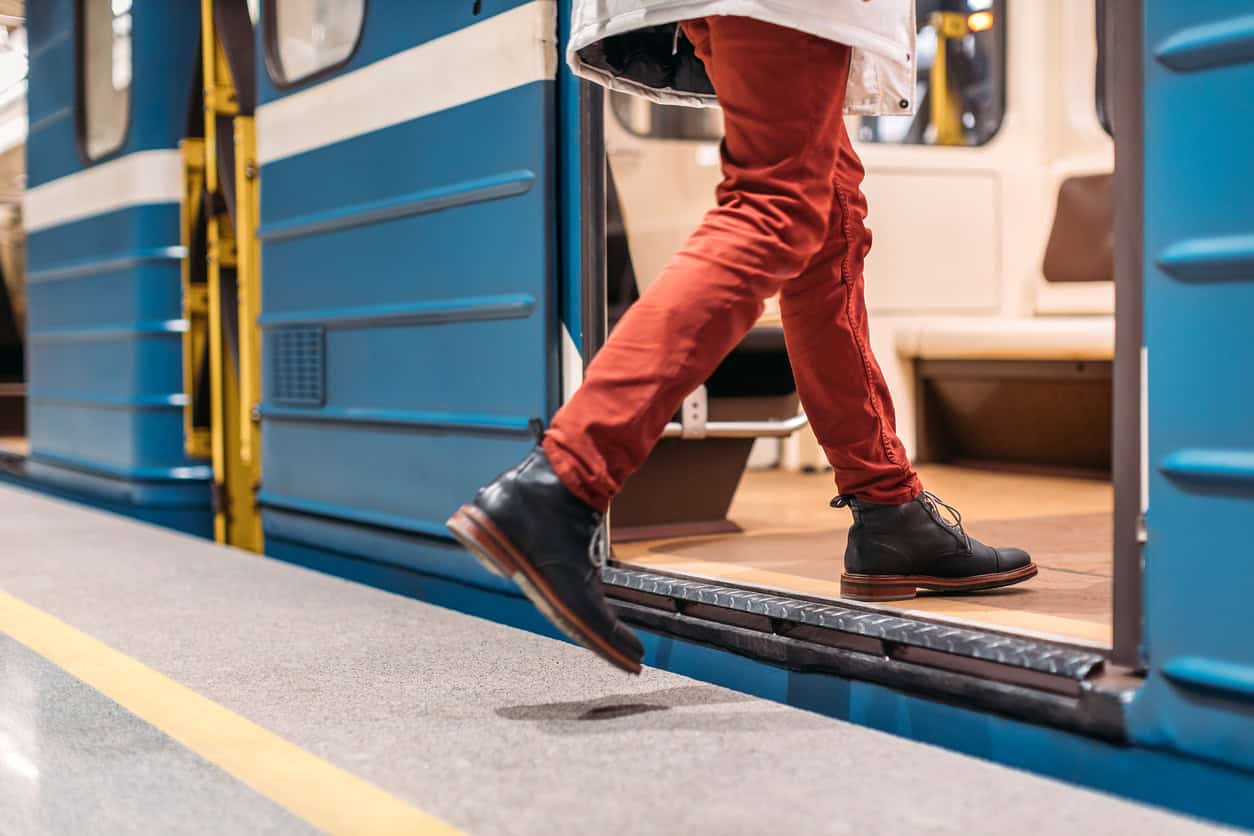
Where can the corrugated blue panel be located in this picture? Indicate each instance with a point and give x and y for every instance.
(420, 258)
(51, 143)
(458, 367)
(427, 255)
(124, 365)
(395, 476)
(101, 239)
(141, 287)
(104, 342)
(1199, 302)
(1228, 40)
(402, 549)
(104, 353)
(127, 442)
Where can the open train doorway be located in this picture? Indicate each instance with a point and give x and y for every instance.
(13, 120)
(991, 293)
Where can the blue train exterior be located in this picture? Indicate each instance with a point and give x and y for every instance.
(421, 251)
(427, 287)
(105, 388)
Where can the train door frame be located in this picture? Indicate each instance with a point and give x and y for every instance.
(594, 164)
(220, 178)
(1122, 58)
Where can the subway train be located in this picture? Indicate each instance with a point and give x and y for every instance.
(300, 277)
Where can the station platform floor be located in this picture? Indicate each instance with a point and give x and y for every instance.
(151, 682)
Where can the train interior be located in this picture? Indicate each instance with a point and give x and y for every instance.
(12, 247)
(991, 295)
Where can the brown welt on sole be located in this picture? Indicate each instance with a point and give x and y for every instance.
(489, 546)
(903, 587)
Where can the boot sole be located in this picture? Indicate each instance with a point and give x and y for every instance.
(904, 587)
(474, 530)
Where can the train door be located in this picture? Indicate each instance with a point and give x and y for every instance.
(991, 293)
(409, 312)
(1199, 291)
(107, 100)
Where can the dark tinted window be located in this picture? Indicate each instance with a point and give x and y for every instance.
(961, 48)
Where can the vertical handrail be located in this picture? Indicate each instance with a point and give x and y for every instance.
(946, 108)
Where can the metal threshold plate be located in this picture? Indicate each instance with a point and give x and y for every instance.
(1028, 654)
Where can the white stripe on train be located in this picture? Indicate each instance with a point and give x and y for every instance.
(138, 179)
(503, 52)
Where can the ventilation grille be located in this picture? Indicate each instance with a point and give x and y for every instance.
(299, 370)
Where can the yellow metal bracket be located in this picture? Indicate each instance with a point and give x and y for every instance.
(230, 248)
(197, 438)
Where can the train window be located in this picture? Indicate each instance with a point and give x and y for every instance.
(655, 121)
(962, 77)
(306, 38)
(105, 60)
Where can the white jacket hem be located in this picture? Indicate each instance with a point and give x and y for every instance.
(886, 63)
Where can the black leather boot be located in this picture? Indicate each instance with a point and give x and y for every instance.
(528, 527)
(896, 550)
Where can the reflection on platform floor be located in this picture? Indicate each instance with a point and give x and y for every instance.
(793, 542)
(74, 761)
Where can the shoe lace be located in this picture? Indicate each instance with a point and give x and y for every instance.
(599, 548)
(848, 500)
(934, 504)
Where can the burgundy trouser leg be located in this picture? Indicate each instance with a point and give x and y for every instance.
(839, 380)
(788, 219)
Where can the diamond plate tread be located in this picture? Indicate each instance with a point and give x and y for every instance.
(1044, 657)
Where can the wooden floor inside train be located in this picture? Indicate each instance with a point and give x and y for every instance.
(793, 542)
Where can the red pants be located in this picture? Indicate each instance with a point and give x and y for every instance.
(789, 220)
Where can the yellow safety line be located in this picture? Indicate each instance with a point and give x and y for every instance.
(324, 795)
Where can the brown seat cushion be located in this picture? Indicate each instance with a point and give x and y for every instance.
(1082, 241)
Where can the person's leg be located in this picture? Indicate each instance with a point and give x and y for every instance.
(541, 523)
(782, 94)
(839, 381)
(902, 540)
